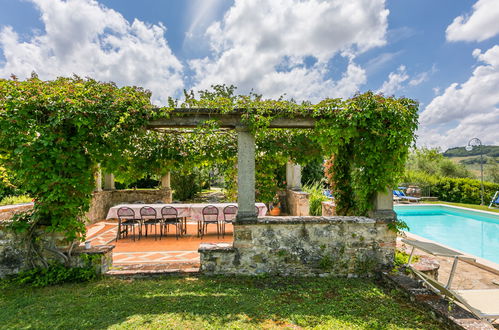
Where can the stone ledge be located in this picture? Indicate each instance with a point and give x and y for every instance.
(218, 247)
(95, 249)
(290, 220)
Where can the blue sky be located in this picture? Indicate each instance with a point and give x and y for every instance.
(445, 53)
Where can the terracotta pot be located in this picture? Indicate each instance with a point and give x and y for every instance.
(276, 210)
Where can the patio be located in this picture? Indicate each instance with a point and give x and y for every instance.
(152, 253)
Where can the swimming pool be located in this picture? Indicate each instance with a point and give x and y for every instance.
(476, 233)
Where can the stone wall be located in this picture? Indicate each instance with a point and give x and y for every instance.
(103, 200)
(303, 246)
(297, 203)
(8, 211)
(14, 256)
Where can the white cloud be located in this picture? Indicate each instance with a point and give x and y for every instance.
(482, 24)
(466, 110)
(88, 39)
(263, 45)
(395, 80)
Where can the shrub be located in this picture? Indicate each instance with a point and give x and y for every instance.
(11, 200)
(316, 197)
(52, 275)
(463, 190)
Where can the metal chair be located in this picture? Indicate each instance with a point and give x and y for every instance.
(169, 215)
(127, 218)
(229, 212)
(149, 217)
(210, 215)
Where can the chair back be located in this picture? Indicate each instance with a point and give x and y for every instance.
(230, 212)
(169, 212)
(125, 213)
(147, 212)
(210, 212)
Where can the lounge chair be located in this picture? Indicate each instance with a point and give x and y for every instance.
(483, 303)
(401, 196)
(495, 200)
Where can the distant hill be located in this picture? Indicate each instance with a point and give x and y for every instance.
(491, 151)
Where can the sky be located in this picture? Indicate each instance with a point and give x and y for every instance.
(444, 54)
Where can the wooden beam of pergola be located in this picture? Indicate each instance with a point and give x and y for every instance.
(189, 118)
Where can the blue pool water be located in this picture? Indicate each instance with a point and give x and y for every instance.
(472, 232)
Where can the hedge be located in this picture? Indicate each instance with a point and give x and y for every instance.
(463, 190)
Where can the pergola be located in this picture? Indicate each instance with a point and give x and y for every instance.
(193, 117)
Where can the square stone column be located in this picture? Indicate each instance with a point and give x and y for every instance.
(383, 206)
(293, 176)
(109, 181)
(98, 179)
(245, 176)
(165, 181)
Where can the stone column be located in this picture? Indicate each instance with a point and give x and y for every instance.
(165, 181)
(383, 206)
(245, 175)
(98, 179)
(293, 176)
(109, 181)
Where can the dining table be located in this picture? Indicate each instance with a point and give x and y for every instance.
(192, 211)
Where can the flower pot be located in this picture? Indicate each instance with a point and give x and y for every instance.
(276, 210)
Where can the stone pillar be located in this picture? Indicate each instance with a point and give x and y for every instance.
(293, 176)
(383, 206)
(165, 181)
(98, 179)
(109, 181)
(245, 175)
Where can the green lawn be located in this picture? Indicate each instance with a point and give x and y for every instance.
(213, 303)
(471, 206)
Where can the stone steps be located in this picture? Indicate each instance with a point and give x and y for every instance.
(153, 270)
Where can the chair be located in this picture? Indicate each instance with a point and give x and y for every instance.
(126, 218)
(482, 303)
(495, 200)
(229, 213)
(210, 216)
(169, 215)
(149, 217)
(400, 195)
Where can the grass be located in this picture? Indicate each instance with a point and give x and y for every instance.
(211, 303)
(470, 206)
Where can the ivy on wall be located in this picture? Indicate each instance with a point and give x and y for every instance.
(54, 133)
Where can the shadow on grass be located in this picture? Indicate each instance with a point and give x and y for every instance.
(203, 302)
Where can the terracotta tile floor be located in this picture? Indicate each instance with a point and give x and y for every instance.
(154, 250)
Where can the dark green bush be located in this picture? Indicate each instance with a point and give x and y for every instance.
(186, 183)
(52, 275)
(463, 190)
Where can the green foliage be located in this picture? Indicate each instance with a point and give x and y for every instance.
(53, 134)
(53, 275)
(401, 258)
(369, 136)
(316, 197)
(11, 200)
(463, 190)
(492, 170)
(492, 151)
(313, 172)
(432, 162)
(186, 183)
